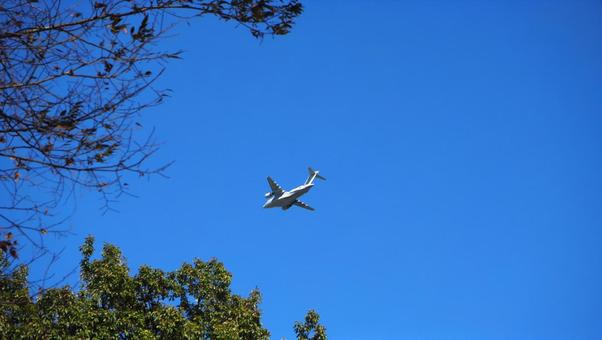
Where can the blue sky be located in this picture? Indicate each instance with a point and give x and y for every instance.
(462, 143)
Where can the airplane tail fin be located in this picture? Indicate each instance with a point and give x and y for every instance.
(313, 174)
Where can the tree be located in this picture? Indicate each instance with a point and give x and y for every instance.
(192, 302)
(310, 329)
(74, 77)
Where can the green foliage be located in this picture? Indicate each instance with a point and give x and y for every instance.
(192, 302)
(311, 329)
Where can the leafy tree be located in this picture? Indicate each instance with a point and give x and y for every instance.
(311, 329)
(192, 302)
(73, 78)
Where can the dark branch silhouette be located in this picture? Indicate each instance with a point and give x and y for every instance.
(73, 81)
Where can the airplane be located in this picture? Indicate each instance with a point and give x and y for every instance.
(279, 197)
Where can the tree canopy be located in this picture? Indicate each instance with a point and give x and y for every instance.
(310, 329)
(74, 77)
(192, 302)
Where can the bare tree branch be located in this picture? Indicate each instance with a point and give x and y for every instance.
(73, 82)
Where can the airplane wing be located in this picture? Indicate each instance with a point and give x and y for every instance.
(303, 205)
(276, 189)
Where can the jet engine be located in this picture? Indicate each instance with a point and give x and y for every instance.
(269, 194)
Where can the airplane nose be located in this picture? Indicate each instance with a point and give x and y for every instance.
(268, 203)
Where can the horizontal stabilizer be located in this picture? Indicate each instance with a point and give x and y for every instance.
(313, 174)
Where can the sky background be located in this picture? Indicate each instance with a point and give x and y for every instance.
(462, 142)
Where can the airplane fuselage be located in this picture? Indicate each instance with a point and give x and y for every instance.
(288, 197)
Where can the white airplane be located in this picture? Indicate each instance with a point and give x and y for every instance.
(278, 197)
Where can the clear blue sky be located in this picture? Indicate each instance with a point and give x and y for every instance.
(462, 142)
